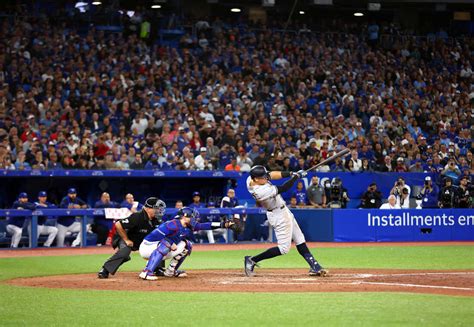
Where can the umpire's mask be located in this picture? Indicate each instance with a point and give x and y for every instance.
(158, 205)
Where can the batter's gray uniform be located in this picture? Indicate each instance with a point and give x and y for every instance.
(279, 216)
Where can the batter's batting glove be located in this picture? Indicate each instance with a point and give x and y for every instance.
(299, 174)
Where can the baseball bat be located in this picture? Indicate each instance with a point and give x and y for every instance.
(342, 153)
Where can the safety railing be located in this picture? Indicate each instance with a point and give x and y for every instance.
(84, 214)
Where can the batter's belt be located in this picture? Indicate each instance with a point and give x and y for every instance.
(278, 208)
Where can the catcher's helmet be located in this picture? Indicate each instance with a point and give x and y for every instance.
(191, 213)
(259, 171)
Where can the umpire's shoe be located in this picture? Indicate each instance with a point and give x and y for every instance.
(103, 273)
(249, 265)
(319, 271)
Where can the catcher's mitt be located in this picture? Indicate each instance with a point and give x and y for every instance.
(235, 224)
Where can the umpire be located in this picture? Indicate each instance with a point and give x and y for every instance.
(131, 232)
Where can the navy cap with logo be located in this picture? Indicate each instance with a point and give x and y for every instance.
(196, 194)
(72, 190)
(42, 194)
(23, 195)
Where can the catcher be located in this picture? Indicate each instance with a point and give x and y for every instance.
(170, 241)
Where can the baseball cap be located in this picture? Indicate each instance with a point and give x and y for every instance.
(196, 194)
(211, 204)
(427, 178)
(23, 195)
(400, 159)
(42, 193)
(203, 149)
(72, 190)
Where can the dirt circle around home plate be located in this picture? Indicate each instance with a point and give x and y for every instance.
(448, 282)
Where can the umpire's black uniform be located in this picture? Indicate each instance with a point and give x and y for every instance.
(137, 226)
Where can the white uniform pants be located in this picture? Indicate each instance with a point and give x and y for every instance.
(75, 227)
(147, 248)
(286, 228)
(51, 231)
(15, 232)
(215, 232)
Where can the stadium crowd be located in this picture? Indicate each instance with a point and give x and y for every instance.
(232, 97)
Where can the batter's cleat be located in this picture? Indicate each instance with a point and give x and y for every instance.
(249, 265)
(103, 273)
(160, 272)
(321, 272)
(177, 273)
(147, 275)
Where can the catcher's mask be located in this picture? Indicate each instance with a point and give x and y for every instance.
(190, 213)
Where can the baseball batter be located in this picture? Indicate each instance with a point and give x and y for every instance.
(280, 218)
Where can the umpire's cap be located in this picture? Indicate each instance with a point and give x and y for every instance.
(259, 171)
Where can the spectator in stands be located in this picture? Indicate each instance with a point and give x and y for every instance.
(196, 201)
(137, 163)
(391, 204)
(400, 167)
(429, 194)
(130, 203)
(15, 224)
(300, 194)
(356, 162)
(123, 164)
(366, 166)
(201, 161)
(293, 202)
(243, 161)
(232, 166)
(315, 194)
(387, 165)
(372, 198)
(44, 229)
(101, 225)
(21, 163)
(451, 170)
(70, 224)
(212, 150)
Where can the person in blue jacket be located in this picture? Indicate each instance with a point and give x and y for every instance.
(43, 229)
(170, 241)
(429, 194)
(15, 224)
(101, 225)
(69, 223)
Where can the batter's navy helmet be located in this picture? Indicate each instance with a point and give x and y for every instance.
(259, 171)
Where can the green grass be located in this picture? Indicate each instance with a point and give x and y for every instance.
(41, 307)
